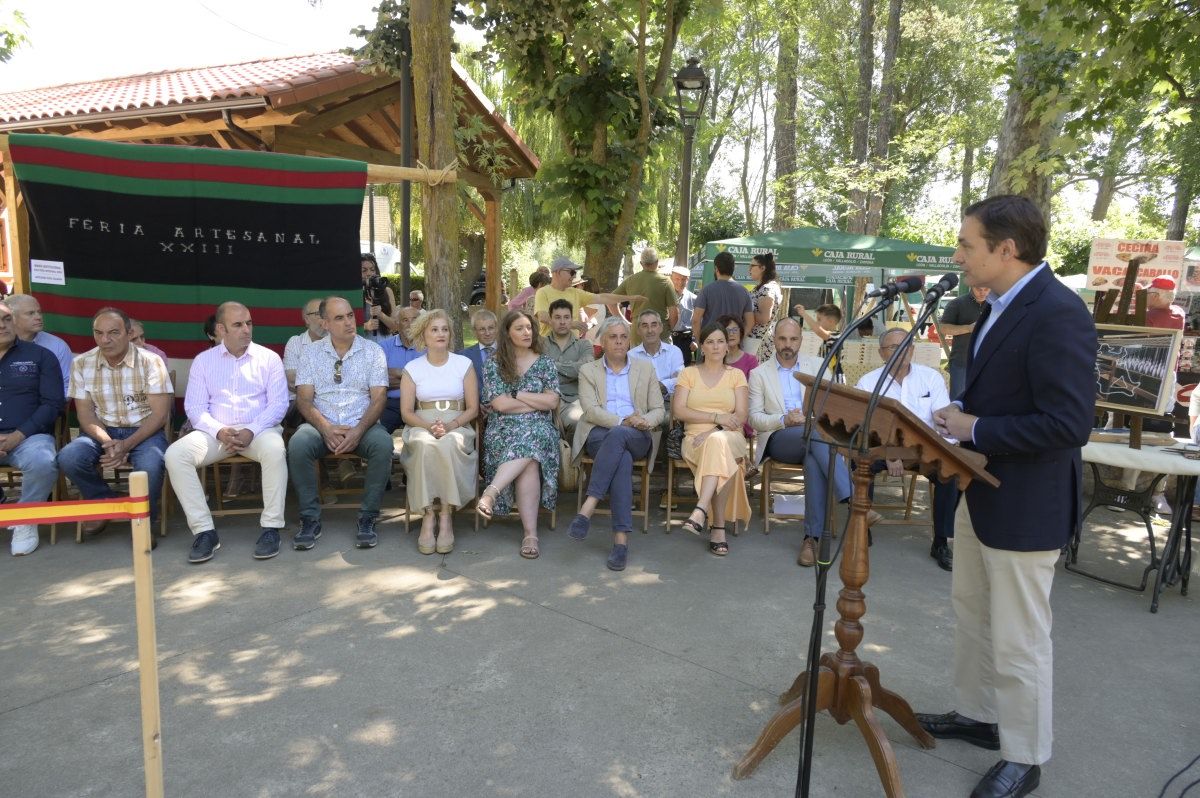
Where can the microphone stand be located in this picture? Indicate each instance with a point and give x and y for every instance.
(824, 560)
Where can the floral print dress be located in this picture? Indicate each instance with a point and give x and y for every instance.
(512, 436)
(766, 332)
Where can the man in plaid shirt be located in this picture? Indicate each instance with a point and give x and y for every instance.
(122, 396)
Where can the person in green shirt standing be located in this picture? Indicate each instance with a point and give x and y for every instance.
(655, 290)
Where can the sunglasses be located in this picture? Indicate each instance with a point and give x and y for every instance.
(337, 372)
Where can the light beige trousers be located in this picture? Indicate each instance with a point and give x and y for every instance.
(1003, 657)
(199, 449)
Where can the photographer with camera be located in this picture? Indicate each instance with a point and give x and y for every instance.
(379, 303)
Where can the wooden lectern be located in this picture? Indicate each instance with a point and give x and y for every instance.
(848, 688)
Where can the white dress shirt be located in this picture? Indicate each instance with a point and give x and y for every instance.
(922, 391)
(667, 362)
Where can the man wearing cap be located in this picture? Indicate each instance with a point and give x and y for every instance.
(562, 273)
(681, 331)
(1159, 310)
(656, 288)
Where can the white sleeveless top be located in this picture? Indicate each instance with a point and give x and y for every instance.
(437, 383)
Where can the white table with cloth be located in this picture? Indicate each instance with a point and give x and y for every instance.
(1174, 563)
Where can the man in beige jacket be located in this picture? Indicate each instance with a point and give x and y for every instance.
(622, 412)
(777, 414)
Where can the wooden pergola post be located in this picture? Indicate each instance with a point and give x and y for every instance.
(18, 224)
(491, 252)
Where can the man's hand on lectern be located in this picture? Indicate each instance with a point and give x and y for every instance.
(951, 422)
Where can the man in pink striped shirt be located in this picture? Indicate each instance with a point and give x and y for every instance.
(236, 396)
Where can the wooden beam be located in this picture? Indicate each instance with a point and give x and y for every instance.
(18, 224)
(379, 134)
(344, 133)
(382, 166)
(475, 210)
(222, 142)
(187, 127)
(491, 251)
(478, 181)
(339, 94)
(340, 115)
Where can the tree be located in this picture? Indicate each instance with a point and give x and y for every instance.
(12, 31)
(785, 119)
(602, 70)
(857, 219)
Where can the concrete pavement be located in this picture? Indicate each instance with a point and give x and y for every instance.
(383, 672)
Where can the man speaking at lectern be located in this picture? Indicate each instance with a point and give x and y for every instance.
(1028, 406)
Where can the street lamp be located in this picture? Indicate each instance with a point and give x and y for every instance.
(691, 92)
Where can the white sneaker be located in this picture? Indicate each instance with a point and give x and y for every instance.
(24, 539)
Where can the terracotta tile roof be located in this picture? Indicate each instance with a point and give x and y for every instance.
(290, 79)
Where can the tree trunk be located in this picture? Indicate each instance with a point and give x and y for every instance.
(1106, 187)
(433, 104)
(883, 130)
(786, 68)
(1025, 138)
(1181, 208)
(1110, 169)
(747, 207)
(968, 174)
(473, 245)
(857, 220)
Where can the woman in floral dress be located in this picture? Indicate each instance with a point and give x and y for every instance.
(520, 439)
(767, 297)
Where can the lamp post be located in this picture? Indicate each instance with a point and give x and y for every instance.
(691, 92)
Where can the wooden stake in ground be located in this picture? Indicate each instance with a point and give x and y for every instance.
(147, 637)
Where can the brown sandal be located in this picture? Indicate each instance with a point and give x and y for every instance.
(530, 552)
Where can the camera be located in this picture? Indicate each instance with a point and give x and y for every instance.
(374, 290)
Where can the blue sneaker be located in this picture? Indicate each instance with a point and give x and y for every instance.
(203, 546)
(310, 532)
(367, 538)
(267, 545)
(618, 557)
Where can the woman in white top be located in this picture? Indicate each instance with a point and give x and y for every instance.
(439, 398)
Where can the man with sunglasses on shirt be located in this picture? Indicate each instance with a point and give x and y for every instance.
(341, 390)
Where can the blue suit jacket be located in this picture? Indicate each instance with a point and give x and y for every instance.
(1033, 387)
(475, 354)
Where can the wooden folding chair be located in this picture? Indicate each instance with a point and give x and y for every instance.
(329, 495)
(674, 465)
(907, 494)
(641, 467)
(11, 475)
(772, 472)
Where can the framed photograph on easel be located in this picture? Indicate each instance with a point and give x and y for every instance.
(1135, 368)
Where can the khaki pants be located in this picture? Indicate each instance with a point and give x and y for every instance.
(199, 449)
(1003, 657)
(569, 414)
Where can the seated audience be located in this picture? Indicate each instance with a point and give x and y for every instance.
(416, 300)
(568, 352)
(30, 327)
(236, 398)
(777, 413)
(438, 400)
(681, 333)
(314, 331)
(520, 440)
(484, 323)
(399, 352)
(341, 388)
(711, 400)
(922, 390)
(666, 358)
(742, 361)
(622, 412)
(31, 385)
(139, 339)
(123, 400)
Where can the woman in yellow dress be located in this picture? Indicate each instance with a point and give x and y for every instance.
(712, 400)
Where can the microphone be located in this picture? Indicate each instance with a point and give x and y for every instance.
(901, 285)
(947, 283)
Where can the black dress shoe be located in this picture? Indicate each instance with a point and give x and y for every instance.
(953, 726)
(940, 552)
(1008, 780)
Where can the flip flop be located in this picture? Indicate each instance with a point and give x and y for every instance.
(530, 552)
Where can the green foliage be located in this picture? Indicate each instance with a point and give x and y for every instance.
(716, 217)
(12, 31)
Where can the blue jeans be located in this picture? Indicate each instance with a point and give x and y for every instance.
(787, 446)
(958, 379)
(35, 458)
(614, 451)
(79, 458)
(307, 447)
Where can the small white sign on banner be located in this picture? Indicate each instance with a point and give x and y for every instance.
(47, 272)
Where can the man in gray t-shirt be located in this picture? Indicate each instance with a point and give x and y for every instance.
(721, 297)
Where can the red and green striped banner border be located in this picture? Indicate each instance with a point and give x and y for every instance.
(174, 315)
(172, 171)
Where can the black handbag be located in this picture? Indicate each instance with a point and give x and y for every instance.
(675, 441)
